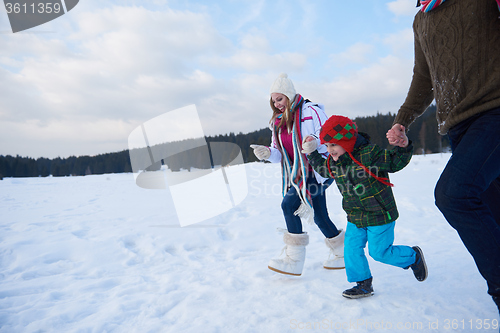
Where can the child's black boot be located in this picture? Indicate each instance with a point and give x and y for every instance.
(419, 267)
(361, 289)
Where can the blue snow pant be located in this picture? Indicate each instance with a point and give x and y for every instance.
(380, 248)
(468, 192)
(291, 202)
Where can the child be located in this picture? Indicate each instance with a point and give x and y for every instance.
(360, 170)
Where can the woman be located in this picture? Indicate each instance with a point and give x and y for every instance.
(293, 119)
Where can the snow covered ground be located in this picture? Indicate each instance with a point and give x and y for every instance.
(99, 254)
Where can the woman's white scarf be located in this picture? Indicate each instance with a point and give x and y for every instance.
(295, 172)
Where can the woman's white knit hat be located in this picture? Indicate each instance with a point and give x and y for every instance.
(283, 85)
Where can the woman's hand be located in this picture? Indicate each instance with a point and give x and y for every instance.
(261, 152)
(309, 145)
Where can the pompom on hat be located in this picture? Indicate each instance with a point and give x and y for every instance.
(343, 131)
(283, 85)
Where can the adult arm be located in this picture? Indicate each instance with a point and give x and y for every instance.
(420, 94)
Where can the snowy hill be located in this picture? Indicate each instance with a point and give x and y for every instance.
(99, 254)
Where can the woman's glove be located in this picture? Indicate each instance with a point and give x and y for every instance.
(261, 152)
(309, 145)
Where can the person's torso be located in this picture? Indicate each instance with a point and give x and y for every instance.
(461, 43)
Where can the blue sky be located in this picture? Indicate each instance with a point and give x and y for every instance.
(79, 85)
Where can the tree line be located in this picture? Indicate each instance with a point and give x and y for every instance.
(423, 133)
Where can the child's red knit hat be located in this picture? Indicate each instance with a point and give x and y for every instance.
(343, 131)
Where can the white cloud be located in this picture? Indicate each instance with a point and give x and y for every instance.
(355, 54)
(254, 60)
(255, 54)
(401, 42)
(122, 64)
(255, 41)
(128, 44)
(381, 87)
(252, 10)
(402, 7)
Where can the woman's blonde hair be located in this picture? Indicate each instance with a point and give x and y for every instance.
(286, 119)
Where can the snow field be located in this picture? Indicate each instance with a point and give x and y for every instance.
(99, 254)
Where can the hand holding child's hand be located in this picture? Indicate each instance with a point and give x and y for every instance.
(397, 136)
(309, 145)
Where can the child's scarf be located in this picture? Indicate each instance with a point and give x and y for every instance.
(294, 172)
(428, 5)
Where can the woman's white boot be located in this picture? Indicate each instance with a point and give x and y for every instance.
(336, 246)
(292, 262)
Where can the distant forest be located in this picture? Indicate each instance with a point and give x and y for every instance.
(423, 133)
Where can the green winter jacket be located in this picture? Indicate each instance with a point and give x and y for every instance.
(367, 201)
